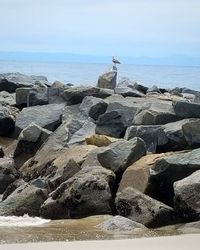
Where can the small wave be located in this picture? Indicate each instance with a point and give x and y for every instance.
(21, 221)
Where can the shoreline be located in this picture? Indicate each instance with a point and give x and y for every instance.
(183, 242)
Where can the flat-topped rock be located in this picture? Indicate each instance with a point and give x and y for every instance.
(11, 81)
(46, 116)
(108, 79)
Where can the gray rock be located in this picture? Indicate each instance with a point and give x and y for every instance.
(38, 96)
(191, 131)
(154, 88)
(11, 188)
(75, 95)
(93, 107)
(87, 193)
(170, 169)
(121, 154)
(46, 116)
(186, 109)
(7, 98)
(124, 82)
(8, 173)
(143, 209)
(156, 113)
(127, 91)
(108, 79)
(88, 129)
(120, 223)
(22, 95)
(187, 196)
(30, 139)
(11, 81)
(26, 199)
(153, 135)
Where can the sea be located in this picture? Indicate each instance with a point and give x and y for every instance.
(86, 74)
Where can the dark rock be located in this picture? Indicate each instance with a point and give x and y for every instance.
(186, 109)
(121, 154)
(29, 141)
(75, 95)
(1, 152)
(154, 88)
(7, 121)
(11, 81)
(153, 135)
(93, 107)
(187, 196)
(127, 91)
(87, 193)
(141, 208)
(108, 79)
(11, 188)
(140, 88)
(191, 131)
(8, 173)
(170, 169)
(112, 123)
(120, 223)
(26, 199)
(46, 116)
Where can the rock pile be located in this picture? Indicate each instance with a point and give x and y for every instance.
(124, 150)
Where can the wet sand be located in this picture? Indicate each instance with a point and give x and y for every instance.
(183, 242)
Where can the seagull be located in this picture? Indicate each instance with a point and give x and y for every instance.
(115, 61)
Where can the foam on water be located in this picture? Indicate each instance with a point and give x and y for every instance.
(21, 221)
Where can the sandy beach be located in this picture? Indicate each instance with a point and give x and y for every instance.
(182, 242)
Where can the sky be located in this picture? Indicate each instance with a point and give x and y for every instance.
(152, 28)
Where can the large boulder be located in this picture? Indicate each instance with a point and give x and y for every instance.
(155, 113)
(38, 96)
(186, 109)
(108, 79)
(137, 175)
(153, 135)
(26, 199)
(141, 208)
(46, 116)
(8, 173)
(93, 107)
(187, 196)
(121, 154)
(87, 193)
(11, 81)
(170, 169)
(29, 141)
(22, 96)
(75, 95)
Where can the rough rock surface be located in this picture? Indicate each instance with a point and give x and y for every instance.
(141, 208)
(8, 173)
(121, 154)
(170, 169)
(75, 95)
(187, 196)
(11, 81)
(28, 202)
(7, 98)
(87, 193)
(46, 116)
(108, 79)
(7, 121)
(186, 109)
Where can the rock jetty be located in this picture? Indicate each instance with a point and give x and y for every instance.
(117, 149)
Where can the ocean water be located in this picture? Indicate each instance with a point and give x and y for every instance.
(88, 73)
